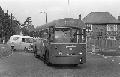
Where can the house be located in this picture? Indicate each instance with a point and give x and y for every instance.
(102, 27)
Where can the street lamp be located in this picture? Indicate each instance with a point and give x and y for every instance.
(45, 16)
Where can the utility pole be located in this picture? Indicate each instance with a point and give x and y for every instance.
(68, 2)
(11, 17)
(68, 8)
(46, 17)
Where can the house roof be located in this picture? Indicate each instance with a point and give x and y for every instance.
(100, 18)
(61, 23)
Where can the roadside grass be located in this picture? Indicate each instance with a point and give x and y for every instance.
(109, 53)
(5, 50)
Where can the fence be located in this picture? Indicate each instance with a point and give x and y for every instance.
(103, 44)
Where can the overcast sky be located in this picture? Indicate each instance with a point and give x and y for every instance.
(57, 9)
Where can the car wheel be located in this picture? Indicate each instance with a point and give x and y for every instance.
(25, 49)
(13, 48)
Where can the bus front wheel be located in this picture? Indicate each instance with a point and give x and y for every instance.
(75, 65)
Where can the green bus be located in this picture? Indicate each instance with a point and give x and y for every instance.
(63, 42)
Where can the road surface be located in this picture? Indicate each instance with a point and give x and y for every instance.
(21, 64)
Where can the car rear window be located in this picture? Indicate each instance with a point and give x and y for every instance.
(27, 40)
(16, 38)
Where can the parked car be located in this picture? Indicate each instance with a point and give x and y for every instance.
(18, 42)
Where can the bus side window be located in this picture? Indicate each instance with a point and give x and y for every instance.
(45, 34)
(51, 30)
(51, 33)
(51, 37)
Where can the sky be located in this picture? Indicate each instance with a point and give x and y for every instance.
(57, 9)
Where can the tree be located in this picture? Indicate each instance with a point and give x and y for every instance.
(16, 26)
(8, 26)
(27, 27)
(1, 20)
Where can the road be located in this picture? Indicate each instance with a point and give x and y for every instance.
(21, 64)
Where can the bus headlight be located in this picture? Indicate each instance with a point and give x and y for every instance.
(80, 53)
(80, 60)
(67, 54)
(60, 53)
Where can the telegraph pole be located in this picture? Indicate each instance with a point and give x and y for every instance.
(68, 3)
(11, 17)
(46, 17)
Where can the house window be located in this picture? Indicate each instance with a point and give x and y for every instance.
(111, 27)
(89, 27)
(112, 38)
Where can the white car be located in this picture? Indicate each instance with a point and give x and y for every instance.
(19, 42)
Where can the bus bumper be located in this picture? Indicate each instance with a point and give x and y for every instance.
(72, 59)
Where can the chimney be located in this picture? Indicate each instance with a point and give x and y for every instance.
(80, 16)
(119, 18)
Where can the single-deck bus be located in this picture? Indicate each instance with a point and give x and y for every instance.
(63, 42)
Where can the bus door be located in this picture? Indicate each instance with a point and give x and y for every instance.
(80, 37)
(84, 35)
(83, 43)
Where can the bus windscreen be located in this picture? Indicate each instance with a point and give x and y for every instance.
(65, 35)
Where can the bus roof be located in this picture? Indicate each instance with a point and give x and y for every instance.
(21, 36)
(27, 37)
(66, 22)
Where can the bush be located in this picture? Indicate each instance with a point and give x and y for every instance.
(5, 50)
